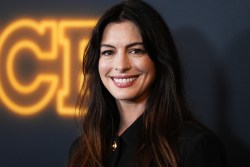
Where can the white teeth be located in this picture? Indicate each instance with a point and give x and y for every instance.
(124, 81)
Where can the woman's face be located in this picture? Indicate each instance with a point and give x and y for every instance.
(124, 66)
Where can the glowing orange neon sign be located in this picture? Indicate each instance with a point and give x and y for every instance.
(40, 64)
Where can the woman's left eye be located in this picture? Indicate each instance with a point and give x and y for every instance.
(137, 51)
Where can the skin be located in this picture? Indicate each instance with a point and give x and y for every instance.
(126, 70)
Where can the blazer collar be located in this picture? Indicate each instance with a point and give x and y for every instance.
(132, 135)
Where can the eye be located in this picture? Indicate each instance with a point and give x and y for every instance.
(137, 51)
(107, 53)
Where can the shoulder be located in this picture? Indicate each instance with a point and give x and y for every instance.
(192, 131)
(199, 146)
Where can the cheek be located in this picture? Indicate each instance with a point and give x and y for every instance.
(103, 67)
(145, 65)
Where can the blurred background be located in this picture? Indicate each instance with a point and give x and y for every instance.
(41, 42)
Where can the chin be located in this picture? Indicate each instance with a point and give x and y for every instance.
(124, 97)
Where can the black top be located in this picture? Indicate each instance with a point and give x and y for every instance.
(198, 147)
(122, 155)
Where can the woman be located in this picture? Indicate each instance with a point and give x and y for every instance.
(136, 114)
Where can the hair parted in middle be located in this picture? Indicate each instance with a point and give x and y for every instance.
(165, 109)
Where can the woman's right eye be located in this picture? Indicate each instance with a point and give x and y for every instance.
(107, 53)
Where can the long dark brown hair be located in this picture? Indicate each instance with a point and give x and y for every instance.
(165, 110)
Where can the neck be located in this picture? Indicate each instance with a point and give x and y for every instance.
(129, 112)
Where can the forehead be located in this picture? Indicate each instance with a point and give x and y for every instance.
(117, 32)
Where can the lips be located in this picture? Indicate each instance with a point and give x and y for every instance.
(124, 82)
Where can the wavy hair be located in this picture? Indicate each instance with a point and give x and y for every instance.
(165, 109)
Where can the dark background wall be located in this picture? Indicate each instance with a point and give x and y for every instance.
(213, 37)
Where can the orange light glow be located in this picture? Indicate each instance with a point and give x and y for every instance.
(64, 92)
(56, 47)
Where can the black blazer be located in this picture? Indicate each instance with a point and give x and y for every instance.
(198, 147)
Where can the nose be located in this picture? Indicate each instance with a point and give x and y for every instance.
(122, 62)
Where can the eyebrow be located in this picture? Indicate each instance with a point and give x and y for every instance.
(127, 46)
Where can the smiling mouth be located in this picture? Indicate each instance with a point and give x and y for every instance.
(124, 82)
